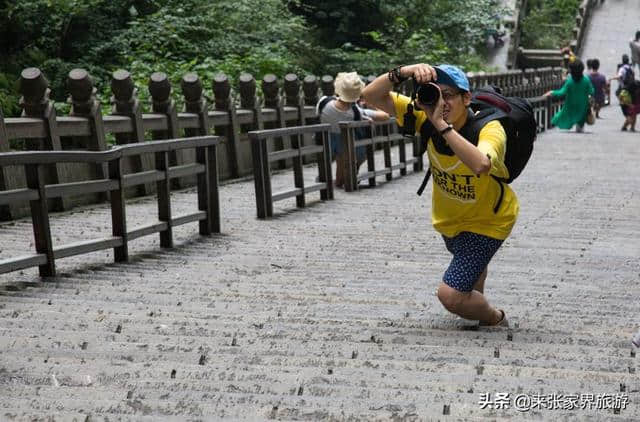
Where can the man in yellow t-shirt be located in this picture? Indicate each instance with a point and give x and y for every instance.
(472, 210)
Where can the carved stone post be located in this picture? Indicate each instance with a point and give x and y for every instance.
(293, 99)
(481, 79)
(5, 210)
(35, 102)
(231, 132)
(292, 96)
(310, 89)
(249, 101)
(84, 104)
(194, 102)
(327, 85)
(4, 136)
(162, 103)
(125, 103)
(272, 99)
(530, 85)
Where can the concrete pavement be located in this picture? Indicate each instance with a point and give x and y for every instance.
(328, 313)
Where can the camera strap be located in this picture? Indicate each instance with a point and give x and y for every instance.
(409, 119)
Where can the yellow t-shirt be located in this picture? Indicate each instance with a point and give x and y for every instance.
(461, 200)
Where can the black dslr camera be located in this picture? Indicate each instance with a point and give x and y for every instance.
(428, 94)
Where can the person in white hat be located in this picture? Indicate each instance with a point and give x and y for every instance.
(348, 87)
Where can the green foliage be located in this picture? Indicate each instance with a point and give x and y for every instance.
(404, 31)
(341, 21)
(549, 23)
(234, 36)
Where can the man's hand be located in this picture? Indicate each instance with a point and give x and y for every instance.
(435, 113)
(421, 72)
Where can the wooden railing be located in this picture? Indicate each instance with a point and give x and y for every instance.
(262, 159)
(384, 134)
(38, 192)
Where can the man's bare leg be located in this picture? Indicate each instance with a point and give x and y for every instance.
(479, 284)
(469, 305)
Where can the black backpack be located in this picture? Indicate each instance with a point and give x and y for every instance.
(629, 77)
(361, 132)
(488, 104)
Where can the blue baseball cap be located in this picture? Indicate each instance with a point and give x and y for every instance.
(452, 76)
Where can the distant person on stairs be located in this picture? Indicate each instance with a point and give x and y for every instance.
(634, 46)
(627, 94)
(599, 82)
(576, 92)
(344, 107)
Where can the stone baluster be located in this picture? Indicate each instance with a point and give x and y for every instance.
(124, 102)
(84, 104)
(327, 85)
(292, 96)
(250, 101)
(35, 102)
(5, 210)
(310, 90)
(272, 99)
(162, 103)
(530, 83)
(194, 102)
(294, 99)
(231, 132)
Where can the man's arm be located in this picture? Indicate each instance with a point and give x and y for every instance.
(378, 115)
(468, 153)
(558, 92)
(378, 92)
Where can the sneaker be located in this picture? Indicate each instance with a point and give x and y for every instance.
(579, 129)
(623, 128)
(502, 323)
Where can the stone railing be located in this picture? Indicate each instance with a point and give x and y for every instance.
(516, 31)
(582, 20)
(527, 58)
(286, 102)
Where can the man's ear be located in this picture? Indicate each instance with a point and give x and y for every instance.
(466, 97)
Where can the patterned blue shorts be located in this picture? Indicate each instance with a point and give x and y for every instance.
(472, 253)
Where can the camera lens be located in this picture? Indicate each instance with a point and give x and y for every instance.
(428, 93)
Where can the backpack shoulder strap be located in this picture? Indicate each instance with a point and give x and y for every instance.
(471, 132)
(357, 115)
(322, 103)
(426, 131)
(476, 121)
(423, 185)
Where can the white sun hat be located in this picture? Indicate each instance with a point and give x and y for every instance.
(348, 86)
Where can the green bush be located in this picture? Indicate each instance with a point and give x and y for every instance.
(549, 23)
(231, 36)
